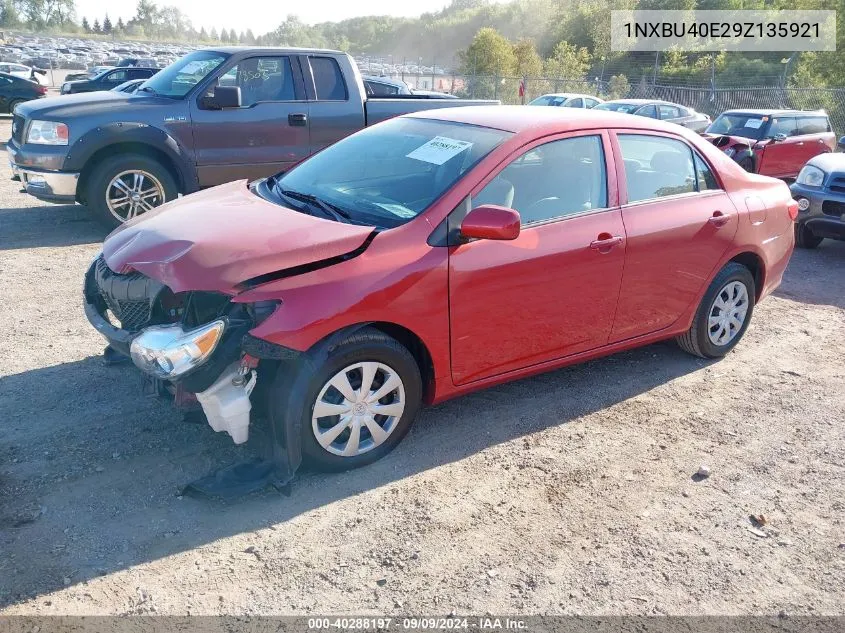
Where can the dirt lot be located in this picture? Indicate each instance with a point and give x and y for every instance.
(567, 493)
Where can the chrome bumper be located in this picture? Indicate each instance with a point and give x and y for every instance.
(50, 186)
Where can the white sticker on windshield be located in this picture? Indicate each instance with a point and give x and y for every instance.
(754, 123)
(439, 149)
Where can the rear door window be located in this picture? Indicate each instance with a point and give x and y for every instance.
(574, 103)
(657, 166)
(669, 112)
(328, 80)
(648, 110)
(813, 125)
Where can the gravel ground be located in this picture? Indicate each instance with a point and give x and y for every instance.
(573, 492)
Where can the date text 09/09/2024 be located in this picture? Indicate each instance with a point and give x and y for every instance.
(486, 623)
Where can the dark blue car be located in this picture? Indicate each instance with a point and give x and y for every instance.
(819, 190)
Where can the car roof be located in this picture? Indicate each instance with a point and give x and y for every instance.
(541, 121)
(772, 112)
(232, 50)
(567, 95)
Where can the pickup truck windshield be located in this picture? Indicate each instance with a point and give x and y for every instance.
(176, 80)
(385, 175)
(745, 125)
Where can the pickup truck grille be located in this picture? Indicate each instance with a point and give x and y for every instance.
(831, 207)
(18, 124)
(837, 184)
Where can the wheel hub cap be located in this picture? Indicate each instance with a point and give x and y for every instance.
(727, 314)
(358, 408)
(132, 193)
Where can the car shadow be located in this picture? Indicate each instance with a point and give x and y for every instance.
(48, 225)
(815, 276)
(90, 470)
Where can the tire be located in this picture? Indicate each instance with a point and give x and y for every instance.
(316, 372)
(154, 177)
(698, 340)
(747, 164)
(804, 237)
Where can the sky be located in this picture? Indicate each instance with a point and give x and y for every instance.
(260, 15)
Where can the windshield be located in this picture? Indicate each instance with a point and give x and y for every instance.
(625, 108)
(387, 174)
(745, 125)
(176, 80)
(549, 100)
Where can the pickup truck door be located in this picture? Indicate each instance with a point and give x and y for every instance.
(335, 108)
(266, 135)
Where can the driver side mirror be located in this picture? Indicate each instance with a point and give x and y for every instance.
(841, 143)
(779, 137)
(491, 222)
(223, 97)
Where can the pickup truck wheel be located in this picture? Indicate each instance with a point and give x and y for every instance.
(360, 400)
(127, 186)
(804, 237)
(723, 314)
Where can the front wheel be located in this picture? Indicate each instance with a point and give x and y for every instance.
(360, 400)
(804, 237)
(123, 187)
(723, 314)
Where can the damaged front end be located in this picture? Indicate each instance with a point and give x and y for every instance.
(189, 344)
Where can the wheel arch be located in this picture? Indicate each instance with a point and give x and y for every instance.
(754, 263)
(405, 336)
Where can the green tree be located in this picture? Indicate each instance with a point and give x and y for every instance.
(568, 62)
(85, 26)
(249, 38)
(107, 25)
(212, 35)
(203, 35)
(233, 37)
(224, 35)
(95, 28)
(528, 62)
(120, 26)
(618, 87)
(490, 53)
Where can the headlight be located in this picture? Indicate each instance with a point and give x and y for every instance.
(47, 133)
(729, 151)
(167, 351)
(65, 88)
(811, 176)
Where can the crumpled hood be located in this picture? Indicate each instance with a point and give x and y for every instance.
(218, 238)
(723, 140)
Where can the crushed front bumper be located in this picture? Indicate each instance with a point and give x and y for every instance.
(48, 185)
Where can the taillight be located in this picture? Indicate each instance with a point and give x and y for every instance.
(42, 90)
(792, 209)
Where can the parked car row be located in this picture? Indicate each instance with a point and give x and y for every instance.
(15, 90)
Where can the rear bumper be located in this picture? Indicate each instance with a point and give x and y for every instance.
(45, 184)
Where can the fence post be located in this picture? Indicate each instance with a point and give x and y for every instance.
(496, 86)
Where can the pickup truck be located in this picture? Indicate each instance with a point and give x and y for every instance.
(213, 116)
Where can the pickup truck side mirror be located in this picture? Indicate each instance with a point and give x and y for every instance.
(224, 97)
(491, 222)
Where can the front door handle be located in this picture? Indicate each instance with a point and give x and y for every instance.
(298, 119)
(605, 242)
(718, 219)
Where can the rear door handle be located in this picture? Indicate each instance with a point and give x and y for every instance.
(298, 119)
(605, 242)
(718, 219)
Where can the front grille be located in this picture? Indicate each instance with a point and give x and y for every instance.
(130, 297)
(18, 124)
(831, 207)
(837, 184)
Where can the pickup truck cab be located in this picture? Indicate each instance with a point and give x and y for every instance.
(213, 116)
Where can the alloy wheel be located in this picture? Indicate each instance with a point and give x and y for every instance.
(132, 193)
(358, 408)
(727, 313)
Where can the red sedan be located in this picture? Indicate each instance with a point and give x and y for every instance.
(433, 255)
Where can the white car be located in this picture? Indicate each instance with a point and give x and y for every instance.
(567, 100)
(37, 75)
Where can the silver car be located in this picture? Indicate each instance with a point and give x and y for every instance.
(663, 110)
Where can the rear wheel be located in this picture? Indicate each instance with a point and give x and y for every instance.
(723, 314)
(804, 237)
(124, 187)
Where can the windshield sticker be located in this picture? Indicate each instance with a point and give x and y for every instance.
(754, 123)
(398, 210)
(439, 149)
